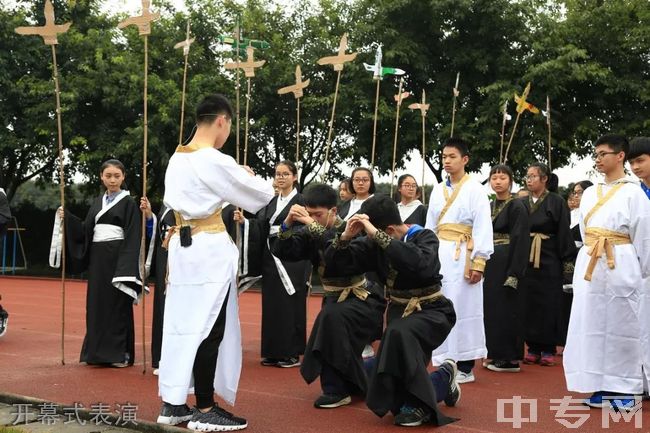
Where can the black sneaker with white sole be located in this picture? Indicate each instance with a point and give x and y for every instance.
(331, 401)
(453, 390)
(289, 362)
(216, 419)
(174, 414)
(412, 416)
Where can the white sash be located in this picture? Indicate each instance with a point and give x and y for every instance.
(57, 241)
(107, 232)
(284, 276)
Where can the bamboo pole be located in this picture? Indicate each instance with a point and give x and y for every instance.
(399, 103)
(374, 127)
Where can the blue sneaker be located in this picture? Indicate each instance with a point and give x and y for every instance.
(596, 400)
(624, 402)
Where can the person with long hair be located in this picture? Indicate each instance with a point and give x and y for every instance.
(345, 190)
(106, 245)
(411, 210)
(551, 258)
(362, 187)
(504, 334)
(607, 342)
(284, 284)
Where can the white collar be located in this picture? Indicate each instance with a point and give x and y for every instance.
(414, 203)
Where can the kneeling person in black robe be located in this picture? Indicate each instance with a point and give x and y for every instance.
(352, 308)
(419, 317)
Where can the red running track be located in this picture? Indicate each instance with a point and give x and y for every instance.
(272, 399)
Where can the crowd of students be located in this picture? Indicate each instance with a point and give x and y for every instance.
(461, 279)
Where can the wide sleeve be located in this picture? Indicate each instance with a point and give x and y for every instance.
(640, 230)
(299, 243)
(127, 272)
(78, 237)
(357, 256)
(232, 183)
(566, 246)
(432, 213)
(482, 234)
(417, 258)
(519, 239)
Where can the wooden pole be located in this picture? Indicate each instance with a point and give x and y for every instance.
(424, 155)
(503, 130)
(399, 103)
(548, 122)
(297, 130)
(57, 92)
(248, 99)
(331, 128)
(237, 86)
(143, 239)
(374, 127)
(512, 135)
(453, 107)
(186, 53)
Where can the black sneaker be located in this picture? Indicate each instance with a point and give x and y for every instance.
(289, 362)
(453, 389)
(412, 416)
(171, 414)
(504, 366)
(216, 419)
(330, 401)
(4, 321)
(269, 362)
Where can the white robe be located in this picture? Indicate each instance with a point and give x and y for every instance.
(603, 350)
(200, 276)
(466, 341)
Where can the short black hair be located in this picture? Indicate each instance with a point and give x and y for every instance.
(459, 144)
(382, 211)
(320, 195)
(505, 169)
(638, 147)
(584, 184)
(617, 142)
(212, 106)
(372, 188)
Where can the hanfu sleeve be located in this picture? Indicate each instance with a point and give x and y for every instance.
(519, 239)
(640, 230)
(357, 256)
(418, 258)
(299, 243)
(127, 273)
(565, 244)
(78, 237)
(482, 234)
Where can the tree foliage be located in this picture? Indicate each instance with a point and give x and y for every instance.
(590, 57)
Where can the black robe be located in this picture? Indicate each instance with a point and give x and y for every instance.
(419, 216)
(567, 295)
(400, 374)
(284, 316)
(543, 287)
(109, 310)
(159, 271)
(341, 329)
(502, 306)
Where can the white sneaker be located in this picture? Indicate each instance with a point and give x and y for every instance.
(155, 372)
(462, 377)
(368, 352)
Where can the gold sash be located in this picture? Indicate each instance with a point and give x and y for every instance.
(414, 304)
(536, 248)
(449, 200)
(357, 289)
(601, 241)
(211, 224)
(501, 238)
(458, 233)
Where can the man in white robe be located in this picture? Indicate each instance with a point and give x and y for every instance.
(603, 353)
(201, 309)
(459, 213)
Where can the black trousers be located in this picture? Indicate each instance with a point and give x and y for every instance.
(206, 361)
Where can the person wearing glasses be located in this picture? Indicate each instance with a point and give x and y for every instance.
(552, 251)
(284, 284)
(459, 213)
(363, 187)
(603, 355)
(410, 208)
(502, 298)
(201, 345)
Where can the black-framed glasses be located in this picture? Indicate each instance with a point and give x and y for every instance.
(601, 155)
